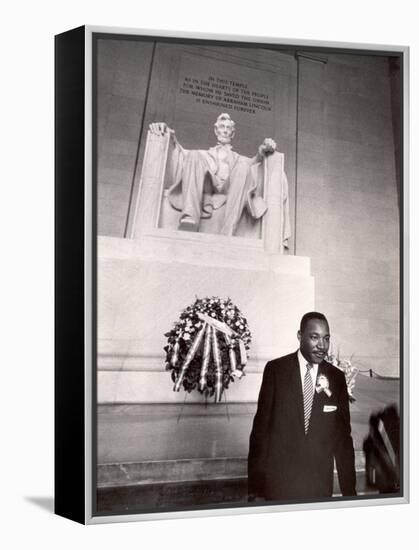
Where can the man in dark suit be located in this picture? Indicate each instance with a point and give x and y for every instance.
(302, 424)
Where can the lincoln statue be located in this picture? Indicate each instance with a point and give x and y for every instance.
(218, 179)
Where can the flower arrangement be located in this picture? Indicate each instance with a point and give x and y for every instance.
(207, 347)
(350, 372)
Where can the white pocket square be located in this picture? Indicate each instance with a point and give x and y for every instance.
(329, 408)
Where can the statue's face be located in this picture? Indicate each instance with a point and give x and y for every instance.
(224, 130)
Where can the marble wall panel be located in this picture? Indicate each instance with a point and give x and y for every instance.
(347, 211)
(122, 71)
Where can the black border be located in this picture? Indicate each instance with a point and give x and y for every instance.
(286, 48)
(69, 383)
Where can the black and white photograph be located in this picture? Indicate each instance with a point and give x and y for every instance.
(249, 290)
(209, 275)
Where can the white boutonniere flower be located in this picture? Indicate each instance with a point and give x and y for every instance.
(322, 384)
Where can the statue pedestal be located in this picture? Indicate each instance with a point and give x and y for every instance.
(144, 284)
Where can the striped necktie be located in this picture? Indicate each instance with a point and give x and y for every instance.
(308, 393)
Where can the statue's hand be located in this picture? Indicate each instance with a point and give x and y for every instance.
(159, 128)
(268, 147)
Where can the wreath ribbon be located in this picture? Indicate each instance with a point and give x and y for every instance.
(209, 329)
(228, 333)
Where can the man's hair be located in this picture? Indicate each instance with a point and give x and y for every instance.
(225, 116)
(311, 315)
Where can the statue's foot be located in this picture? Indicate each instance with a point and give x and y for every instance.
(188, 224)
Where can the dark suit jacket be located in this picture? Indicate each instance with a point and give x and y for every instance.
(284, 462)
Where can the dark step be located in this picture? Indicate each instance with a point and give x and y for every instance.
(185, 495)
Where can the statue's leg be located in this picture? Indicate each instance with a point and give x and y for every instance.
(194, 171)
(236, 198)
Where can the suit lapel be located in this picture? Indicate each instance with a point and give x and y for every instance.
(297, 390)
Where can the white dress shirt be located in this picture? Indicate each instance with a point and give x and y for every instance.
(303, 369)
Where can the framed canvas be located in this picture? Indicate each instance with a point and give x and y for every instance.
(231, 284)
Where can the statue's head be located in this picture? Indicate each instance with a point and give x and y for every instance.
(224, 128)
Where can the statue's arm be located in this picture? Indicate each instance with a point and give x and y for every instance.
(161, 128)
(266, 148)
(175, 156)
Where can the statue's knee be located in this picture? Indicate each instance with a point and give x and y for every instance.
(195, 154)
(197, 160)
(241, 168)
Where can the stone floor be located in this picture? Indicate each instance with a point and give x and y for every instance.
(161, 456)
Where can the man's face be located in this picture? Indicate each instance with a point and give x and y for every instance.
(314, 340)
(224, 130)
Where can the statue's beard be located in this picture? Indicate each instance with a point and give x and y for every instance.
(224, 140)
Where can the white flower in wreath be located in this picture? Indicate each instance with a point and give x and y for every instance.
(237, 373)
(186, 336)
(322, 384)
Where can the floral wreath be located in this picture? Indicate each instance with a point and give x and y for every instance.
(207, 347)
